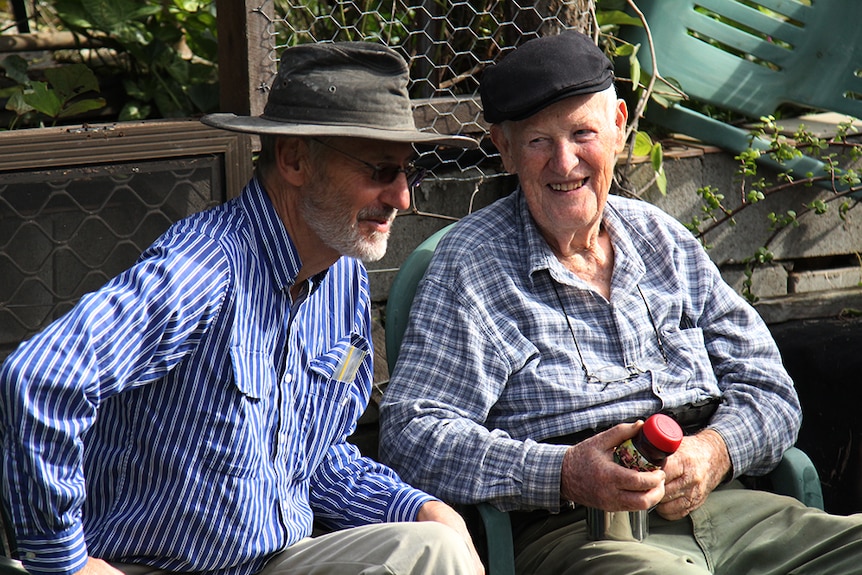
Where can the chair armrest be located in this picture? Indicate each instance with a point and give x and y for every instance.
(735, 140)
(498, 532)
(797, 477)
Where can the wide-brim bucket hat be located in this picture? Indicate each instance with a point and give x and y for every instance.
(352, 89)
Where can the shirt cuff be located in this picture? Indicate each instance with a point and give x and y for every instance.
(541, 482)
(61, 553)
(406, 504)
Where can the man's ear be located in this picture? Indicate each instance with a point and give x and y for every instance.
(504, 146)
(621, 119)
(291, 159)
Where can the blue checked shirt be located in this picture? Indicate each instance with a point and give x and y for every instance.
(488, 365)
(188, 415)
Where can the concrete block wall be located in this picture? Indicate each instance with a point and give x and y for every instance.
(821, 253)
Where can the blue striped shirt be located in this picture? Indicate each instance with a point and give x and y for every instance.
(189, 415)
(488, 367)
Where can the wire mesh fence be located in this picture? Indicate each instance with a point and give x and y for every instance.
(78, 206)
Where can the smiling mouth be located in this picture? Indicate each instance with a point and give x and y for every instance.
(380, 221)
(569, 186)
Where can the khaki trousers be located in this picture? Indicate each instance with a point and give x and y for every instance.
(420, 548)
(737, 531)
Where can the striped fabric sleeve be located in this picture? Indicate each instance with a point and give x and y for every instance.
(349, 490)
(128, 333)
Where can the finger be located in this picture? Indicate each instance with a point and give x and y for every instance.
(618, 433)
(674, 509)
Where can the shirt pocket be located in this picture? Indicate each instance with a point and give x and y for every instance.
(234, 438)
(689, 365)
(253, 372)
(338, 393)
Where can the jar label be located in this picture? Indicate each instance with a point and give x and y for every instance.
(627, 455)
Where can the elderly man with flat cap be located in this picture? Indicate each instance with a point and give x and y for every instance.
(192, 414)
(549, 324)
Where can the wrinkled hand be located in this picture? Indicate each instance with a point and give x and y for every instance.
(98, 567)
(442, 513)
(697, 467)
(590, 475)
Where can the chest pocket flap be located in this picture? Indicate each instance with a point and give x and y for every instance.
(343, 360)
(253, 372)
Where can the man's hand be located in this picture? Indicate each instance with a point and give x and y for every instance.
(98, 567)
(697, 467)
(591, 477)
(442, 513)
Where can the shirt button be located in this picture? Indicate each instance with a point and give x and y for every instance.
(288, 378)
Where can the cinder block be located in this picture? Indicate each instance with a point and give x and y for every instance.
(822, 280)
(767, 280)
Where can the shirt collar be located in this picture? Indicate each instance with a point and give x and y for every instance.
(272, 238)
(541, 257)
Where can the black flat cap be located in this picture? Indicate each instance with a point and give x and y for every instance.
(543, 71)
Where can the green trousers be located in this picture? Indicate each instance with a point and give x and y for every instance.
(737, 531)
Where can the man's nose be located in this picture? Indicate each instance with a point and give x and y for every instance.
(397, 194)
(565, 156)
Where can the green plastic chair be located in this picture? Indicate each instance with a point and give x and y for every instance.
(809, 56)
(795, 475)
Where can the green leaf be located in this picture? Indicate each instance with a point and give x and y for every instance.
(661, 181)
(136, 90)
(17, 104)
(656, 156)
(43, 99)
(16, 69)
(82, 106)
(643, 144)
(191, 5)
(635, 68)
(7, 92)
(624, 50)
(69, 81)
(616, 17)
(116, 14)
(73, 13)
(178, 69)
(134, 111)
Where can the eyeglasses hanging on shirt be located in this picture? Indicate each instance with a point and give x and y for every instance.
(611, 373)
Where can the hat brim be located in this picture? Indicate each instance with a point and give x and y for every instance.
(258, 125)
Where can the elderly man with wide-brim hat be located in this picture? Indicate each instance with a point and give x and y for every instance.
(192, 414)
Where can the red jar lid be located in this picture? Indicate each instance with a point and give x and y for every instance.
(663, 432)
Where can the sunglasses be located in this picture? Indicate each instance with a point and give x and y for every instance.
(384, 173)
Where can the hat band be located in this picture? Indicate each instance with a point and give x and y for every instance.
(304, 115)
